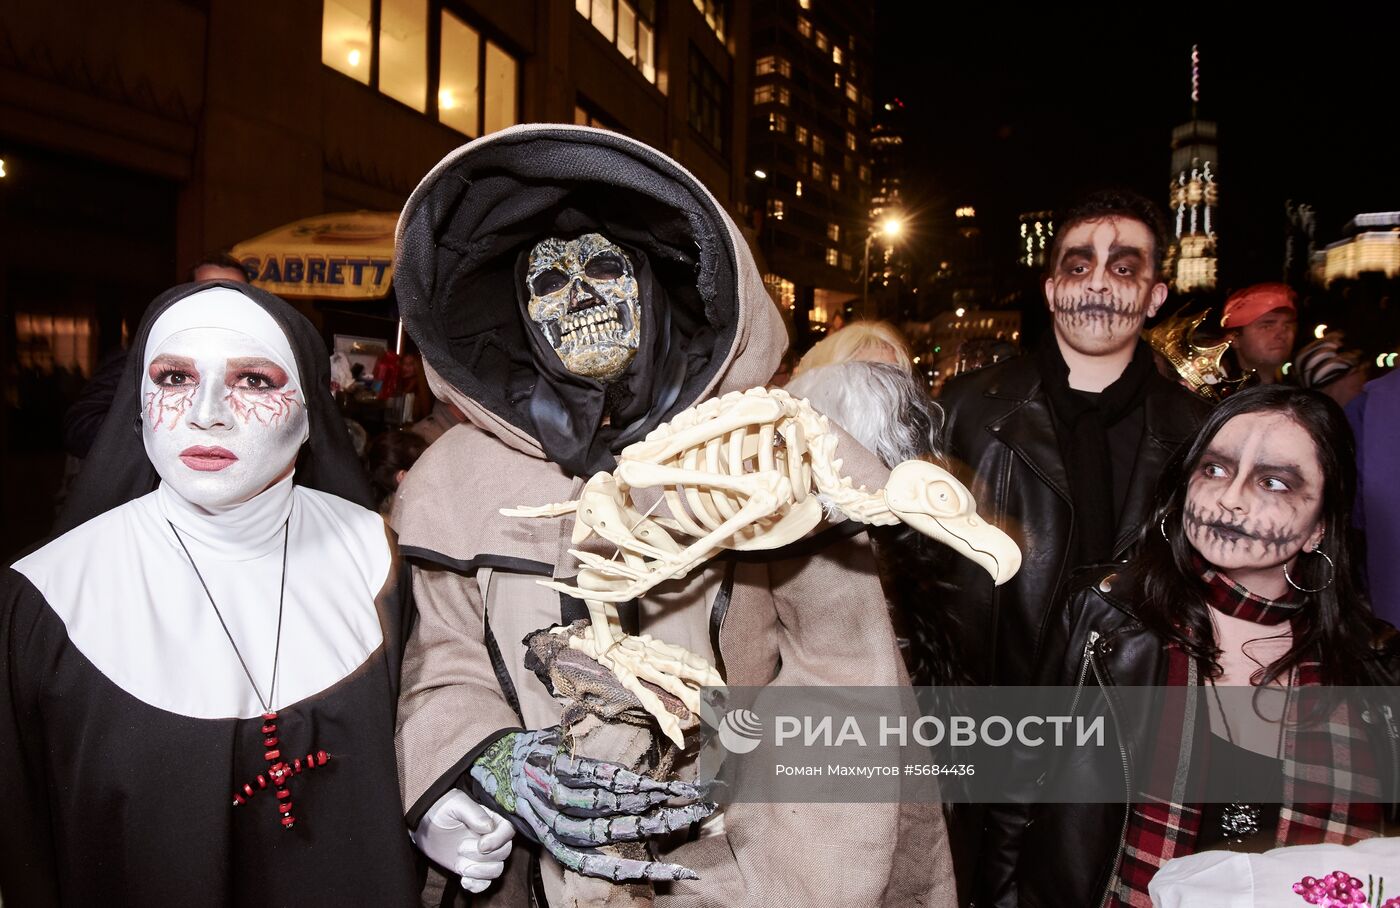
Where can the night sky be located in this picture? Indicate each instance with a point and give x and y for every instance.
(1012, 116)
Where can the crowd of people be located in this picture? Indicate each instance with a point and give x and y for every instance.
(225, 682)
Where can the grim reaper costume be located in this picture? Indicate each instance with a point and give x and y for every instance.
(536, 431)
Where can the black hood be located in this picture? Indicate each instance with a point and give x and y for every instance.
(458, 277)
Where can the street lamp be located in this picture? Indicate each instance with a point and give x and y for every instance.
(890, 228)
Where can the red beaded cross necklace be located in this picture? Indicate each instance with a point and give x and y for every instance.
(279, 771)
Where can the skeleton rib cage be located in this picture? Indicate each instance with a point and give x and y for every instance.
(751, 470)
(742, 471)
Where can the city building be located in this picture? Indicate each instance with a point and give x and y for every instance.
(809, 161)
(137, 137)
(1194, 196)
(1371, 243)
(891, 261)
(1037, 232)
(962, 340)
(165, 100)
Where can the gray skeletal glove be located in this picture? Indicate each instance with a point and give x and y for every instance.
(576, 804)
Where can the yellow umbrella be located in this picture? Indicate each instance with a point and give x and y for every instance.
(347, 256)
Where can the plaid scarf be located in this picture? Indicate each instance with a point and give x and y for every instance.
(1332, 753)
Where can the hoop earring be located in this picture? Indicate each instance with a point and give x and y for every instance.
(1331, 574)
(1163, 527)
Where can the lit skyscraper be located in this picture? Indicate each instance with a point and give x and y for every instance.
(1194, 195)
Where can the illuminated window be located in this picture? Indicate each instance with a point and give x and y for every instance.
(836, 180)
(804, 26)
(479, 83)
(836, 55)
(832, 257)
(833, 232)
(627, 30)
(804, 4)
(817, 172)
(705, 94)
(775, 209)
(714, 12)
(771, 94)
(865, 173)
(851, 116)
(767, 66)
(783, 291)
(798, 190)
(502, 77)
(822, 44)
(630, 27)
(800, 134)
(603, 17)
(818, 145)
(777, 122)
(45, 343)
(850, 141)
(852, 93)
(403, 51)
(346, 36)
(459, 87)
(837, 81)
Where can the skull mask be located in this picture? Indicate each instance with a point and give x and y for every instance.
(583, 297)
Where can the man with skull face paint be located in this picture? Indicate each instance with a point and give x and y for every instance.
(572, 289)
(198, 679)
(1067, 444)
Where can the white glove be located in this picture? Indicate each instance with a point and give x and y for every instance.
(470, 840)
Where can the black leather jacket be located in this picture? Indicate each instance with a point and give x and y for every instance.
(1066, 854)
(1000, 438)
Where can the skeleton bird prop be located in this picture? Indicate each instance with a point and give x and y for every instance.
(748, 471)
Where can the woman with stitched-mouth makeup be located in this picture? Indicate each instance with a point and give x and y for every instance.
(198, 679)
(1240, 597)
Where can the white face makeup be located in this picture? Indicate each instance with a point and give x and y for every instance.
(221, 418)
(1104, 286)
(1254, 502)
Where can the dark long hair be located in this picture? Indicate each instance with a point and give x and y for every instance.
(1334, 627)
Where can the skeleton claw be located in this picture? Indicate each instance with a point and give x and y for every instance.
(634, 660)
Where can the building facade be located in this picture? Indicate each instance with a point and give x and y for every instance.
(1371, 244)
(137, 137)
(1193, 259)
(1036, 234)
(809, 165)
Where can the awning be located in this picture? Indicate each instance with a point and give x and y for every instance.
(347, 256)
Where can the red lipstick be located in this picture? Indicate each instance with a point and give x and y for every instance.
(207, 460)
